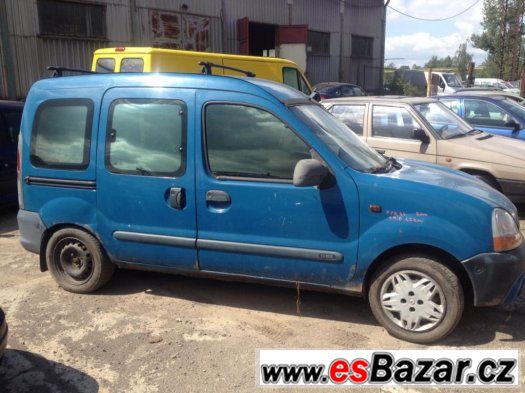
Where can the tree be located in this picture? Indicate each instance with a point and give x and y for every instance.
(502, 37)
(462, 60)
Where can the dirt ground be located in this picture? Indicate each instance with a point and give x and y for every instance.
(147, 332)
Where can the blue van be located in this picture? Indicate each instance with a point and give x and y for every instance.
(10, 115)
(248, 179)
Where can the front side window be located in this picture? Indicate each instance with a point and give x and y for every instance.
(132, 65)
(351, 115)
(146, 137)
(293, 78)
(61, 134)
(393, 122)
(453, 105)
(247, 142)
(485, 113)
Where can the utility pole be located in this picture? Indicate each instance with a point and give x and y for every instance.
(341, 31)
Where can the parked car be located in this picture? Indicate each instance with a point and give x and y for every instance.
(10, 115)
(248, 179)
(336, 89)
(3, 334)
(424, 129)
(446, 82)
(495, 82)
(495, 114)
(492, 92)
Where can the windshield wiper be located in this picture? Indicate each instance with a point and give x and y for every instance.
(474, 132)
(390, 164)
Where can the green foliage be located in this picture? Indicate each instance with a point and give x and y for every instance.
(502, 38)
(459, 62)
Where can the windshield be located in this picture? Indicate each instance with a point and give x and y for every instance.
(452, 80)
(339, 138)
(445, 122)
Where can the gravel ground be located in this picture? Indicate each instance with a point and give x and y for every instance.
(147, 332)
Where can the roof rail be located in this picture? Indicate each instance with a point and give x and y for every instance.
(206, 68)
(59, 71)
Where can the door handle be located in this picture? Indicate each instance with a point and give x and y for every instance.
(217, 196)
(177, 198)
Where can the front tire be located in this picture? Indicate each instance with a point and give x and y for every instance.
(416, 299)
(77, 262)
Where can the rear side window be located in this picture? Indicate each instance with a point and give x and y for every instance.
(393, 122)
(146, 137)
(105, 65)
(248, 142)
(132, 65)
(61, 134)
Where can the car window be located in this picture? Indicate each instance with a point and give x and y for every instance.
(393, 122)
(61, 134)
(132, 65)
(351, 115)
(485, 113)
(347, 91)
(452, 105)
(247, 142)
(105, 65)
(9, 126)
(290, 77)
(303, 86)
(146, 137)
(358, 91)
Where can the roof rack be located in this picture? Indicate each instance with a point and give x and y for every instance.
(206, 68)
(59, 71)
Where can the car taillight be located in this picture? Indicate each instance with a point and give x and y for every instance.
(19, 173)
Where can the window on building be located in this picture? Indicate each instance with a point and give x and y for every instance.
(62, 133)
(146, 137)
(65, 18)
(351, 115)
(318, 43)
(362, 47)
(393, 122)
(247, 142)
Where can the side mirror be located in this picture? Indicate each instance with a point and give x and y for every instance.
(421, 135)
(309, 173)
(514, 124)
(315, 96)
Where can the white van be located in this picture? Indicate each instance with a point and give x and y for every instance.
(445, 82)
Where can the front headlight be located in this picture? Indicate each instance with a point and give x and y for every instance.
(506, 234)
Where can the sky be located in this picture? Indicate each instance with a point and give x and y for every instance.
(414, 42)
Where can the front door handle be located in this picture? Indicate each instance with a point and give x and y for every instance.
(217, 196)
(177, 198)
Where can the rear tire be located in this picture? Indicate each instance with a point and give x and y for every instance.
(416, 299)
(77, 261)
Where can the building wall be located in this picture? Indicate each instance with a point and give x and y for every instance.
(31, 53)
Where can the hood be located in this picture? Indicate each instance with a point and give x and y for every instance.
(439, 176)
(487, 148)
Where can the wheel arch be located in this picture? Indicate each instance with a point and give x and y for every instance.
(481, 172)
(420, 250)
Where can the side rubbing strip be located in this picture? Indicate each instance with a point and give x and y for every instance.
(155, 239)
(276, 251)
(66, 183)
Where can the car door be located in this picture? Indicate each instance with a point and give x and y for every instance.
(9, 129)
(391, 132)
(145, 176)
(252, 221)
(487, 116)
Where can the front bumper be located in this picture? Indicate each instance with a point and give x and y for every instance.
(496, 278)
(513, 189)
(3, 333)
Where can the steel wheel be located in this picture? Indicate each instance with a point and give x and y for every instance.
(73, 260)
(413, 300)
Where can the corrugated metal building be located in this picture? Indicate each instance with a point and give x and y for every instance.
(345, 38)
